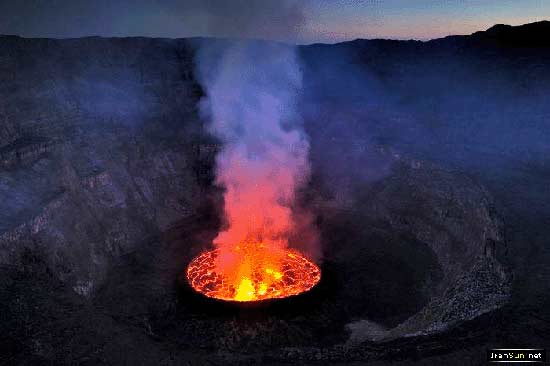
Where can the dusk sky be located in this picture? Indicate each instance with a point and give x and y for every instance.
(304, 21)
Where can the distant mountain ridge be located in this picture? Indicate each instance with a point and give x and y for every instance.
(531, 34)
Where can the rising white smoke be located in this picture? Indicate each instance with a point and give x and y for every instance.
(252, 89)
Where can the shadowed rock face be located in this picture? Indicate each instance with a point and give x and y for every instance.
(455, 219)
(99, 149)
(106, 186)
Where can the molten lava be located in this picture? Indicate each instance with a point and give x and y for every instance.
(252, 90)
(256, 274)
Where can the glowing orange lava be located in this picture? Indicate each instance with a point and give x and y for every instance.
(259, 276)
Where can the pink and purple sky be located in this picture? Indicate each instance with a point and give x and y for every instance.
(295, 21)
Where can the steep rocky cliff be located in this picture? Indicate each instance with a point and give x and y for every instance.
(106, 187)
(100, 148)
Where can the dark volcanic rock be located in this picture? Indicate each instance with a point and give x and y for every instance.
(431, 210)
(106, 187)
(99, 149)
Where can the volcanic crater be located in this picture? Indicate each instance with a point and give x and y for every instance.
(414, 254)
(103, 216)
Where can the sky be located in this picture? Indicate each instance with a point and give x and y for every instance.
(294, 21)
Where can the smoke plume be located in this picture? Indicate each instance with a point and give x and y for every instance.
(252, 89)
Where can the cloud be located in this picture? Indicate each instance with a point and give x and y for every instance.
(267, 19)
(259, 19)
